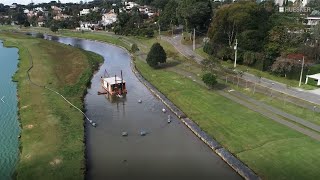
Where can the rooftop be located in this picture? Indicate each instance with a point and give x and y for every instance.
(112, 80)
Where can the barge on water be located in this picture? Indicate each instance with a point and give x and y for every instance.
(114, 86)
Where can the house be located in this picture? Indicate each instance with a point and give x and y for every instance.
(312, 21)
(13, 6)
(130, 5)
(86, 26)
(56, 10)
(95, 9)
(84, 12)
(40, 23)
(109, 18)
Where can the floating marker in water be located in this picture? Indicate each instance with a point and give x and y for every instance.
(164, 110)
(139, 101)
(143, 133)
(94, 124)
(124, 133)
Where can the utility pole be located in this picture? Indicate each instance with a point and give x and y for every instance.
(235, 54)
(301, 71)
(159, 31)
(194, 39)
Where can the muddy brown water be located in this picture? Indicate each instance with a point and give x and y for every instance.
(168, 151)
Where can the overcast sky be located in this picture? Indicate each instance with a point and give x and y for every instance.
(8, 2)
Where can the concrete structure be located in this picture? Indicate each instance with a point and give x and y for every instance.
(312, 21)
(109, 18)
(316, 77)
(84, 12)
(130, 5)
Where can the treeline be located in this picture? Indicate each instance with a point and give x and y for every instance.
(267, 40)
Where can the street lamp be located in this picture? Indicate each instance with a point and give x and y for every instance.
(235, 54)
(159, 27)
(301, 70)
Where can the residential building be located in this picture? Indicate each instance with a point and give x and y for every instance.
(84, 12)
(312, 21)
(109, 18)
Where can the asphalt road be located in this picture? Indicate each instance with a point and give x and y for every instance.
(295, 92)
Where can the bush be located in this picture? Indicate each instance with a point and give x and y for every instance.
(134, 48)
(209, 79)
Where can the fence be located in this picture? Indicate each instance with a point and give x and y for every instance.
(254, 87)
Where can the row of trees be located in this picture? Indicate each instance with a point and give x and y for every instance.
(266, 37)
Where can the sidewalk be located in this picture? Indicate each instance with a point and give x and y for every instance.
(309, 96)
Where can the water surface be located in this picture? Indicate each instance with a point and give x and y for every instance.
(168, 151)
(9, 124)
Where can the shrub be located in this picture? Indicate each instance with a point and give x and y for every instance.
(209, 79)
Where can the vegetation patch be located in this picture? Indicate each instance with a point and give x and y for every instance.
(52, 137)
(270, 149)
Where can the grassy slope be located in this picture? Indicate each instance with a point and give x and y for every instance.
(270, 149)
(52, 131)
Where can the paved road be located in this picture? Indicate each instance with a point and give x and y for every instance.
(187, 51)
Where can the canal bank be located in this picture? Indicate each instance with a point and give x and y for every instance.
(52, 137)
(169, 151)
(9, 124)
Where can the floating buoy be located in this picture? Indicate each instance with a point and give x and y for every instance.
(164, 110)
(124, 133)
(94, 124)
(139, 101)
(143, 133)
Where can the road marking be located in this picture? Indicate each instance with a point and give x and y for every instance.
(2, 99)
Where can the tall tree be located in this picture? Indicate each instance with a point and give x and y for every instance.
(169, 15)
(156, 55)
(195, 13)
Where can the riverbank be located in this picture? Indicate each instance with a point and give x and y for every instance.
(52, 137)
(273, 151)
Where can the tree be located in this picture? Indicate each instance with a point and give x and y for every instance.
(284, 66)
(209, 79)
(54, 28)
(156, 55)
(195, 13)
(168, 16)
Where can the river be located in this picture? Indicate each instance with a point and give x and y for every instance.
(9, 124)
(168, 151)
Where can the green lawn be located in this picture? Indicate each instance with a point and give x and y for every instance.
(52, 137)
(290, 108)
(259, 142)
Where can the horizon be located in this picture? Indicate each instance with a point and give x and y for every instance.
(26, 2)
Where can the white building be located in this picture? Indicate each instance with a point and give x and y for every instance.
(109, 18)
(84, 12)
(312, 21)
(130, 5)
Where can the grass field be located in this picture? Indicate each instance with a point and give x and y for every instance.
(270, 149)
(52, 137)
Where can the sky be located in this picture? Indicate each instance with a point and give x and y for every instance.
(8, 2)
